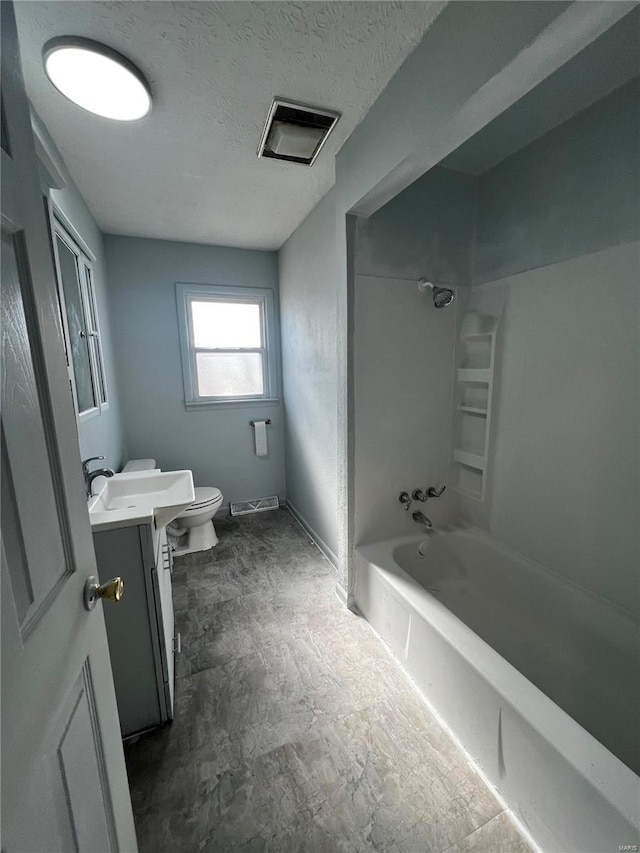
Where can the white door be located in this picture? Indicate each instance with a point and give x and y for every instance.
(64, 782)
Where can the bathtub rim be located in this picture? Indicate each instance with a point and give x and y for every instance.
(603, 770)
(486, 538)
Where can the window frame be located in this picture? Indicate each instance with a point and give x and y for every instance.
(263, 296)
(62, 229)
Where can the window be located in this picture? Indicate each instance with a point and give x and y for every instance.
(227, 336)
(79, 318)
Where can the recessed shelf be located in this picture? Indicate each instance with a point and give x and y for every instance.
(473, 410)
(481, 375)
(472, 460)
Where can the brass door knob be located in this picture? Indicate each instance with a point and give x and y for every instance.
(110, 591)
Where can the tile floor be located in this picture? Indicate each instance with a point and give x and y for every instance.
(295, 731)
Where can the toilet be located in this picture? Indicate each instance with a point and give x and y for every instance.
(193, 529)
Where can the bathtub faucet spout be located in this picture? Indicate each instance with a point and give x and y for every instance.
(422, 520)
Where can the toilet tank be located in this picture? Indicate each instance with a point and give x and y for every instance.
(139, 465)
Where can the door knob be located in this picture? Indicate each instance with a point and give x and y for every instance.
(110, 591)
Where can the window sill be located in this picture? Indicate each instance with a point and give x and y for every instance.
(252, 402)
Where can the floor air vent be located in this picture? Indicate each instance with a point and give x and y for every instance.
(259, 505)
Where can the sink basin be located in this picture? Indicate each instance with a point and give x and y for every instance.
(141, 497)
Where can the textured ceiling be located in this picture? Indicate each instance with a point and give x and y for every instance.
(189, 170)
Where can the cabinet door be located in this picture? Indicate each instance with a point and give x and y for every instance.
(131, 636)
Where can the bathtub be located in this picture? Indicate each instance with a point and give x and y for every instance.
(537, 678)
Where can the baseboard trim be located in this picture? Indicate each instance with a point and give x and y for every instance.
(342, 594)
(315, 538)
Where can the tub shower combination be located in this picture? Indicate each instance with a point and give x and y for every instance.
(536, 678)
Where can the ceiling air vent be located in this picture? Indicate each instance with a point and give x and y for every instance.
(295, 132)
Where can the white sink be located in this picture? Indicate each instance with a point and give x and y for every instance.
(141, 497)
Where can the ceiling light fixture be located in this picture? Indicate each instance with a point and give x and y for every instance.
(96, 78)
(295, 132)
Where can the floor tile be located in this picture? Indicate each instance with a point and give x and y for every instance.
(496, 836)
(294, 728)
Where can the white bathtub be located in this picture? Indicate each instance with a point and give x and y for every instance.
(478, 627)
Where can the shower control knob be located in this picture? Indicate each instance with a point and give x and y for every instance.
(432, 492)
(419, 495)
(405, 499)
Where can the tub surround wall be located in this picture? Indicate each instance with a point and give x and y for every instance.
(403, 349)
(308, 311)
(563, 476)
(403, 365)
(563, 481)
(103, 434)
(215, 443)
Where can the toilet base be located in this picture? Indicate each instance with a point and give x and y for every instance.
(200, 538)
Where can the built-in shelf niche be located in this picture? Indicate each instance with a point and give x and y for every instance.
(474, 387)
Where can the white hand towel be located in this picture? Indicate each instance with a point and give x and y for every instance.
(260, 434)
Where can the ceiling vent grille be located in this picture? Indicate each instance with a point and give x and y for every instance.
(295, 132)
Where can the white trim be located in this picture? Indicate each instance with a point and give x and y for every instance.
(263, 296)
(72, 231)
(341, 593)
(90, 318)
(315, 538)
(47, 156)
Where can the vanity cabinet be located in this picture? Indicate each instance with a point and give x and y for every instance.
(140, 627)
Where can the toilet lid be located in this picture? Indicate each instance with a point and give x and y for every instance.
(205, 496)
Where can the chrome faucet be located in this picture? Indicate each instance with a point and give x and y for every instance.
(422, 520)
(425, 494)
(432, 492)
(405, 500)
(90, 476)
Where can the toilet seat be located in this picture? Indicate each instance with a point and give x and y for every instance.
(206, 496)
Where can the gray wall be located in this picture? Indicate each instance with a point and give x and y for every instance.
(425, 231)
(403, 349)
(100, 435)
(216, 444)
(573, 191)
(308, 300)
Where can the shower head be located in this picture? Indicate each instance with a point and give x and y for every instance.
(442, 296)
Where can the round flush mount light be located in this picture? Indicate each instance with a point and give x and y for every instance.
(96, 78)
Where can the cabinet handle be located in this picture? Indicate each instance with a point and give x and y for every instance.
(166, 558)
